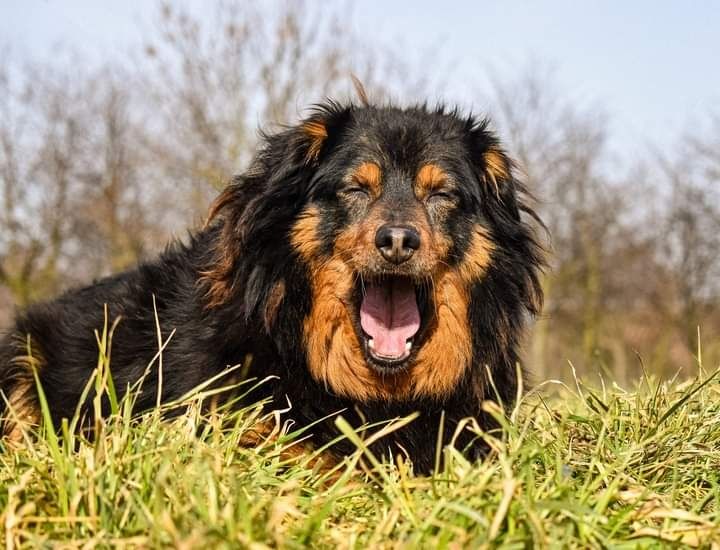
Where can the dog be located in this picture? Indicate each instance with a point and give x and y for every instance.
(374, 260)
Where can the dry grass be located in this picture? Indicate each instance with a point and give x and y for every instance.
(574, 467)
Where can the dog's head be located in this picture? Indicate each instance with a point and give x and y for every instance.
(392, 242)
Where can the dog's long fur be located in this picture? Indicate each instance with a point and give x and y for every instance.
(279, 272)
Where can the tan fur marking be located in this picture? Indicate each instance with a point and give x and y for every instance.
(219, 204)
(267, 432)
(447, 353)
(368, 175)
(477, 257)
(261, 432)
(304, 236)
(218, 290)
(496, 165)
(429, 178)
(24, 409)
(317, 133)
(277, 294)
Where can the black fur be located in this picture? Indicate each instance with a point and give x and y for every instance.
(247, 248)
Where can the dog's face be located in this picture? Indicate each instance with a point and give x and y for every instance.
(400, 217)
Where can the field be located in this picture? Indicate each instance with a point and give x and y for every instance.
(574, 467)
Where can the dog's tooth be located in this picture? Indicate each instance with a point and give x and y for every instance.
(408, 345)
(371, 343)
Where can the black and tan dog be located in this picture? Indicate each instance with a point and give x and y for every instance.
(377, 260)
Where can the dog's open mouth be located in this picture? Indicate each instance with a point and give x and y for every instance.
(390, 319)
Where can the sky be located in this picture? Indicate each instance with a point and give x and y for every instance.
(652, 66)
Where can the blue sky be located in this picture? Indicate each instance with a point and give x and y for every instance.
(652, 66)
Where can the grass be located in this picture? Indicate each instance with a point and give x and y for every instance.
(574, 467)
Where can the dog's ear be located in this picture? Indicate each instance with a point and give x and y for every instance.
(322, 129)
(494, 168)
(247, 217)
(506, 202)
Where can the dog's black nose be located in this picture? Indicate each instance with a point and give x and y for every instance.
(397, 244)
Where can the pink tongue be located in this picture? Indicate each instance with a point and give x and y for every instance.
(389, 315)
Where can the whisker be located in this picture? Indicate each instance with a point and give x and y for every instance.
(436, 306)
(362, 284)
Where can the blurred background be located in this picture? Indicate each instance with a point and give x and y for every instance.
(119, 122)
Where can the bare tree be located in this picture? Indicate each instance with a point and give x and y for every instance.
(42, 140)
(692, 231)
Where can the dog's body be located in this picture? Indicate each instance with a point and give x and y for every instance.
(375, 260)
